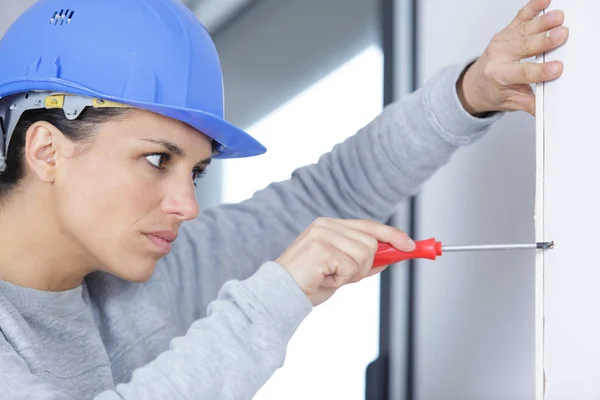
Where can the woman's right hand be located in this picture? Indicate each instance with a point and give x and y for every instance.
(333, 252)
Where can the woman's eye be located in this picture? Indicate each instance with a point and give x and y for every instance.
(197, 173)
(157, 160)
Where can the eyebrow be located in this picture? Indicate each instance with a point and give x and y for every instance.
(178, 151)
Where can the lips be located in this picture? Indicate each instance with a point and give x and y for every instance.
(169, 236)
(162, 240)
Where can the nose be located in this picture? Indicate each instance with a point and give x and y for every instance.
(181, 201)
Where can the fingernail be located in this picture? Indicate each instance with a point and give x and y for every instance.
(554, 68)
(411, 242)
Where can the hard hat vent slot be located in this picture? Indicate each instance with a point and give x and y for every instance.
(61, 17)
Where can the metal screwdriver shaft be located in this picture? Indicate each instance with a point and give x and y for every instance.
(488, 247)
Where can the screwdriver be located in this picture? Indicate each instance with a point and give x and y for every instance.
(430, 248)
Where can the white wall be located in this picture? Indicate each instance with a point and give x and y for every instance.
(475, 311)
(570, 295)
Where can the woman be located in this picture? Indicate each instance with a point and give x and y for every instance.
(105, 293)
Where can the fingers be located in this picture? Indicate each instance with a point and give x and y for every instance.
(360, 252)
(341, 269)
(333, 252)
(526, 73)
(360, 243)
(532, 45)
(351, 231)
(530, 35)
(540, 24)
(354, 245)
(359, 240)
(495, 82)
(531, 10)
(316, 259)
(381, 232)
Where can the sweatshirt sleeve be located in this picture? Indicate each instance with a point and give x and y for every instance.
(232, 352)
(365, 177)
(228, 355)
(17, 381)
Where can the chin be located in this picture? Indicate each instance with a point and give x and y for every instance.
(139, 271)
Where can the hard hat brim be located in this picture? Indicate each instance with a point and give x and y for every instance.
(235, 143)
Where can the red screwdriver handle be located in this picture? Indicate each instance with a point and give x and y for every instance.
(387, 254)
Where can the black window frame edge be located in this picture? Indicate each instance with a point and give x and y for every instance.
(378, 372)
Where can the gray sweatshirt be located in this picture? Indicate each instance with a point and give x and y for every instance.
(215, 319)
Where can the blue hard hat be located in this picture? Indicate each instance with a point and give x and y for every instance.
(150, 54)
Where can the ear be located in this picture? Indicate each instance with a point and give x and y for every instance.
(40, 150)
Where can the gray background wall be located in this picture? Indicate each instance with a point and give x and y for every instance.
(10, 10)
(276, 49)
(475, 311)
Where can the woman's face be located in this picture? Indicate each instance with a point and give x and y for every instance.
(122, 200)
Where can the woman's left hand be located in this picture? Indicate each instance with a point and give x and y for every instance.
(498, 80)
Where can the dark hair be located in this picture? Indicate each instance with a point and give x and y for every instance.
(76, 130)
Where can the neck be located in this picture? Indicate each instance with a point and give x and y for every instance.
(34, 252)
